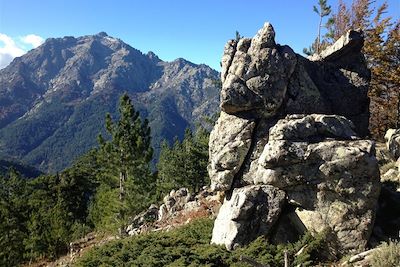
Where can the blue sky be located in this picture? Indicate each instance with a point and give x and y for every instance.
(196, 30)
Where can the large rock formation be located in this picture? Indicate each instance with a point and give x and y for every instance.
(328, 174)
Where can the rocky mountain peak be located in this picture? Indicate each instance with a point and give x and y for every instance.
(102, 34)
(69, 75)
(152, 56)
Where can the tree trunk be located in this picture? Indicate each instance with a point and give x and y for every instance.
(121, 186)
(121, 214)
(319, 34)
(286, 259)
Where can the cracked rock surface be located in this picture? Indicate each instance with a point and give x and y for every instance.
(292, 126)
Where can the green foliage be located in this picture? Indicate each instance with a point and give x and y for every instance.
(126, 174)
(104, 209)
(238, 36)
(39, 217)
(184, 164)
(58, 205)
(387, 255)
(23, 169)
(13, 214)
(189, 246)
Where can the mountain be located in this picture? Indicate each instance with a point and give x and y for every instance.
(53, 99)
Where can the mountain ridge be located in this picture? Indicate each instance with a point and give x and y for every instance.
(54, 98)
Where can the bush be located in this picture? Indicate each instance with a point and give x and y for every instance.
(387, 255)
(190, 246)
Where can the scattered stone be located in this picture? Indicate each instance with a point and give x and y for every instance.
(177, 208)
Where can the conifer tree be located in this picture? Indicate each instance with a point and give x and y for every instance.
(339, 23)
(323, 10)
(185, 163)
(127, 155)
(13, 216)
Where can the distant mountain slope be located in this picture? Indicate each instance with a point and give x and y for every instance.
(54, 98)
(27, 171)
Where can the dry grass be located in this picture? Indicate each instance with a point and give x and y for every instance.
(207, 209)
(388, 255)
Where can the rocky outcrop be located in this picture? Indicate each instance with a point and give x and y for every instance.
(293, 125)
(256, 75)
(229, 144)
(178, 207)
(262, 79)
(250, 212)
(173, 202)
(331, 178)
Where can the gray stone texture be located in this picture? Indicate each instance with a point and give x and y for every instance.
(293, 125)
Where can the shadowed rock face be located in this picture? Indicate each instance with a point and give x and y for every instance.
(263, 79)
(291, 124)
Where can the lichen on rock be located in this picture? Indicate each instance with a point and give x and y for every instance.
(294, 125)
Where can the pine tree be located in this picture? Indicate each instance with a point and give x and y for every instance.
(127, 155)
(13, 216)
(185, 163)
(323, 10)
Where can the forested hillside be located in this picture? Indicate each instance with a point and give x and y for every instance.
(53, 99)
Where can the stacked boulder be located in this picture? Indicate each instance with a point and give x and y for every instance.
(288, 138)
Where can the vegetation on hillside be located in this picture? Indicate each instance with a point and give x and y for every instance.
(27, 171)
(190, 246)
(100, 192)
(386, 255)
(39, 217)
(184, 164)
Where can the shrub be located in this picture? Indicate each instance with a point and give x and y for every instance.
(387, 255)
(190, 245)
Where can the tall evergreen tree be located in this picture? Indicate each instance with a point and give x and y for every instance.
(127, 155)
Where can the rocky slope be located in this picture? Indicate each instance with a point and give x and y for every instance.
(54, 98)
(287, 149)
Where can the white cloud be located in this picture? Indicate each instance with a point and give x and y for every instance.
(33, 39)
(9, 49)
